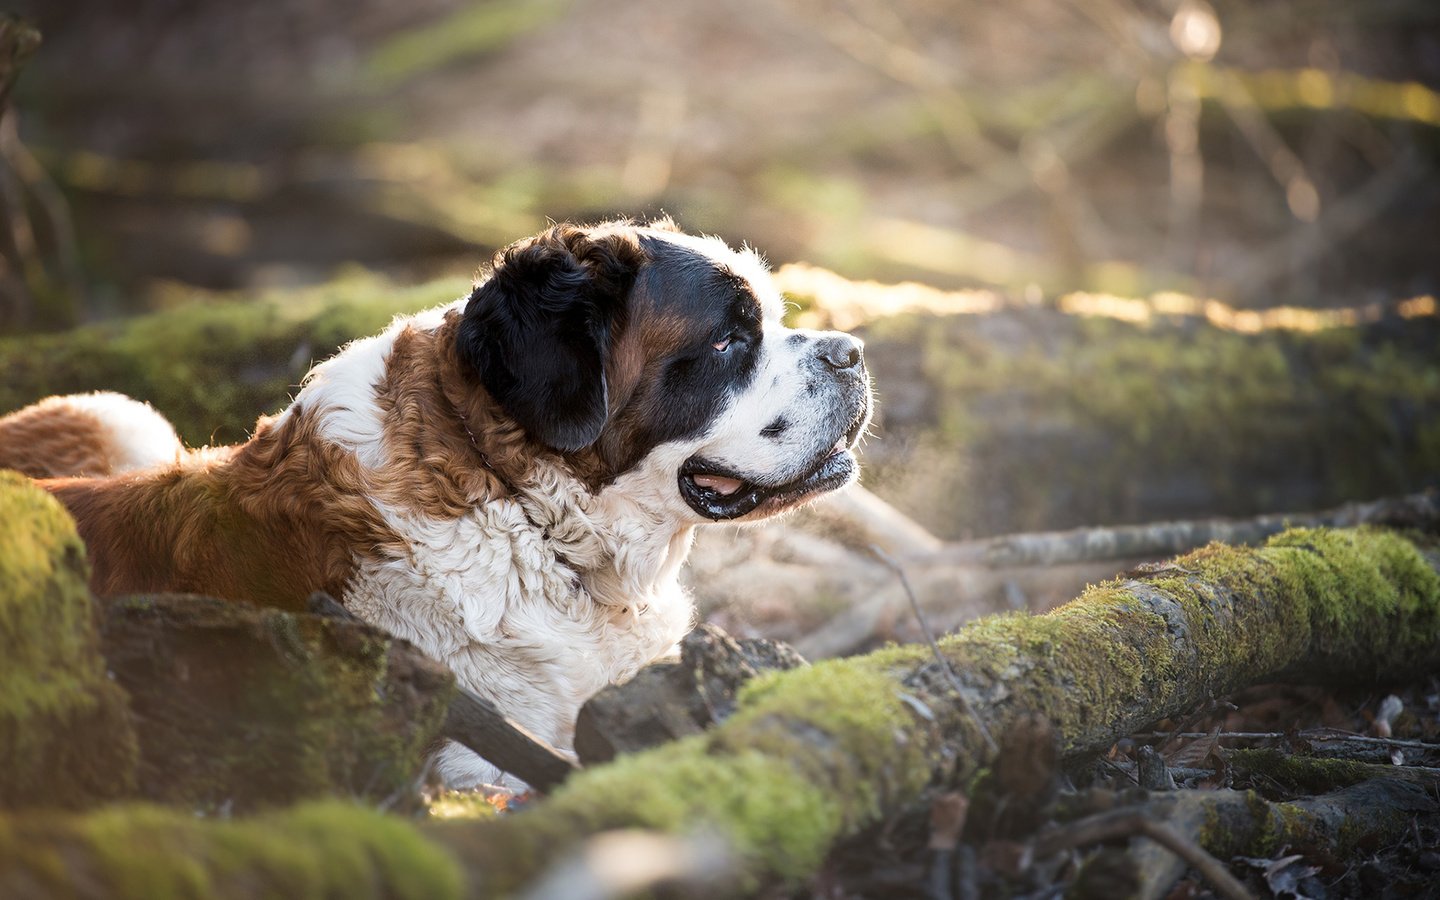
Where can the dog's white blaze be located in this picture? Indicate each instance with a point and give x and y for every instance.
(777, 390)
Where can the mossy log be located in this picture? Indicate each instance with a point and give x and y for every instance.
(671, 700)
(239, 707)
(1301, 774)
(211, 368)
(65, 731)
(326, 850)
(816, 753)
(1044, 420)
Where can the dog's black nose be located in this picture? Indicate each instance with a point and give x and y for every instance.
(840, 352)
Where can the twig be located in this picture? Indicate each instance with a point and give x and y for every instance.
(1048, 548)
(1312, 734)
(935, 648)
(1124, 823)
(480, 725)
(947, 820)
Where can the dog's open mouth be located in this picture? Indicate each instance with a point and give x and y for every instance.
(719, 493)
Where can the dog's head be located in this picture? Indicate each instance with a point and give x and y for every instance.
(664, 356)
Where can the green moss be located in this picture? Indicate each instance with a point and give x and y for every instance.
(324, 850)
(1081, 666)
(1365, 588)
(775, 817)
(211, 367)
(808, 756)
(1216, 619)
(1307, 774)
(65, 734)
(866, 759)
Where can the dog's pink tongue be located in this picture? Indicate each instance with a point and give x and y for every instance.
(719, 483)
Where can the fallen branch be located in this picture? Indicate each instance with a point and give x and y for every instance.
(1240, 823)
(1049, 548)
(858, 519)
(480, 725)
(835, 598)
(1193, 828)
(1311, 774)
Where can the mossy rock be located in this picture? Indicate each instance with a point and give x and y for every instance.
(328, 851)
(66, 738)
(242, 707)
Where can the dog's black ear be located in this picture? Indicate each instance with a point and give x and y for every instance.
(537, 332)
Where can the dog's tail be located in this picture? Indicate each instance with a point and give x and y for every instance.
(97, 434)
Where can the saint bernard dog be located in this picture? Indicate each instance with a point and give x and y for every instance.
(510, 481)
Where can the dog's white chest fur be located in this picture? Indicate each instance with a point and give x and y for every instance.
(528, 615)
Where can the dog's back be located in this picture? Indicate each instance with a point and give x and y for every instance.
(92, 435)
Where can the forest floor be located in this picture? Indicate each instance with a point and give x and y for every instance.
(923, 854)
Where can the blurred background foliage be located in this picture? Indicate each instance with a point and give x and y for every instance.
(171, 157)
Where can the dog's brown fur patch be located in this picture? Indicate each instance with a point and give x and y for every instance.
(55, 437)
(269, 522)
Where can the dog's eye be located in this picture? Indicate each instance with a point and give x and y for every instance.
(724, 343)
